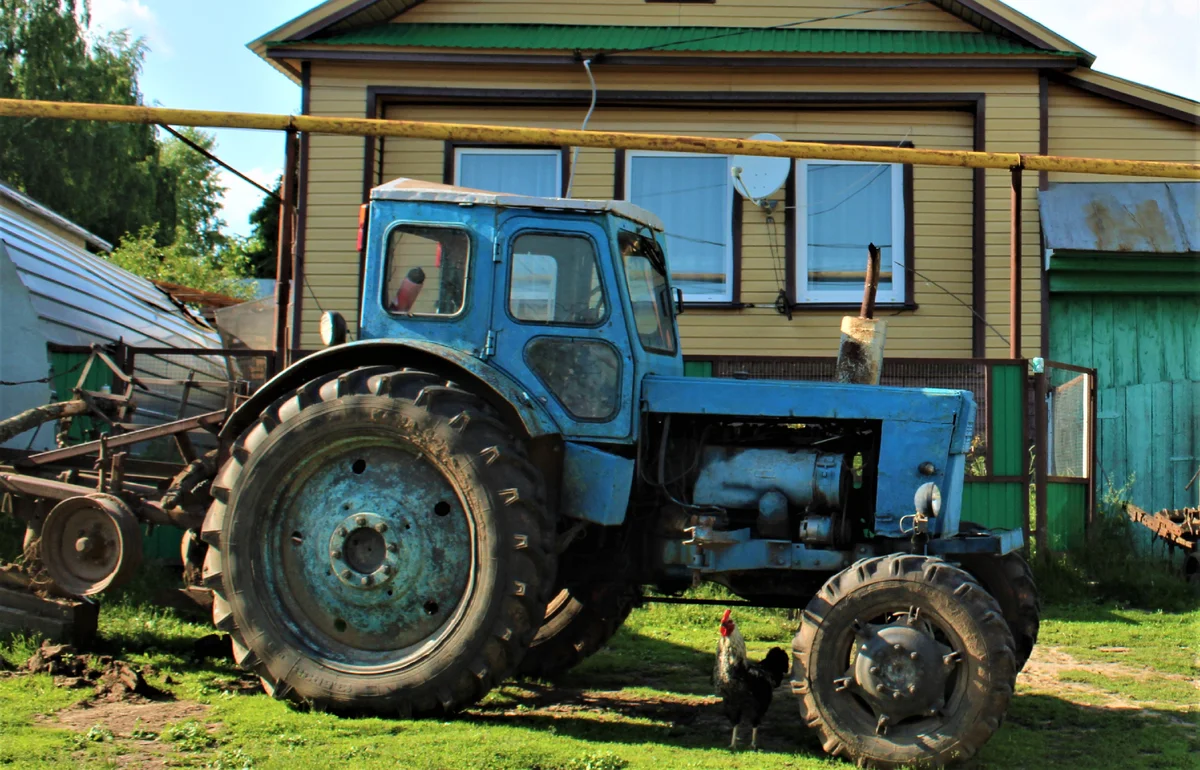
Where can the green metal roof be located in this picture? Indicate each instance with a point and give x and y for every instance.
(562, 37)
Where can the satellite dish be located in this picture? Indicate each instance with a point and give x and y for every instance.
(756, 177)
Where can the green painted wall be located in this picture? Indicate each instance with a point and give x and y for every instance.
(65, 370)
(1065, 506)
(1146, 353)
(697, 368)
(995, 504)
(1007, 403)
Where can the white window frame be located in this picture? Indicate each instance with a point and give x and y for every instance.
(459, 152)
(727, 214)
(895, 295)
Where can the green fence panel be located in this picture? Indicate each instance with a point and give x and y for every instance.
(161, 544)
(697, 368)
(995, 504)
(1066, 509)
(1009, 456)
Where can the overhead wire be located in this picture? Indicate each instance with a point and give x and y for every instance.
(786, 25)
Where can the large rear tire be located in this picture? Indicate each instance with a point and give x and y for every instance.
(579, 622)
(903, 661)
(379, 543)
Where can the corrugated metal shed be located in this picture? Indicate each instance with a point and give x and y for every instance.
(564, 37)
(66, 296)
(1122, 217)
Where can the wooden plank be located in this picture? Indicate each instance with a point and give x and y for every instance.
(1149, 341)
(1102, 341)
(1183, 453)
(1111, 449)
(1161, 413)
(1081, 332)
(1137, 443)
(1125, 341)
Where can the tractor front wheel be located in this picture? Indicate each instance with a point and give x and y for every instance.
(379, 543)
(903, 661)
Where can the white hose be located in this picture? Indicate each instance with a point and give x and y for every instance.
(587, 66)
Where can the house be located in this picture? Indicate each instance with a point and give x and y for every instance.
(765, 284)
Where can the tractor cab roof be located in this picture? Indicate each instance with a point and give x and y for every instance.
(431, 192)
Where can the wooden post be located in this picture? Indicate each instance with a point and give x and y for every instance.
(283, 259)
(1041, 464)
(1014, 269)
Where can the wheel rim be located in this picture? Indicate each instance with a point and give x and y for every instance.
(905, 672)
(368, 552)
(90, 544)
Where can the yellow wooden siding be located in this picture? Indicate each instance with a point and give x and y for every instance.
(739, 13)
(942, 197)
(1093, 126)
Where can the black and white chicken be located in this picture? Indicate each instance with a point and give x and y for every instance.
(745, 688)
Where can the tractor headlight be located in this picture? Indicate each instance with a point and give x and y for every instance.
(928, 500)
(333, 328)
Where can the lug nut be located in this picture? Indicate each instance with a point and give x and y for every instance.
(336, 553)
(83, 544)
(912, 688)
(873, 669)
(897, 647)
(863, 648)
(381, 527)
(341, 532)
(346, 574)
(361, 521)
(366, 580)
(880, 688)
(386, 569)
(896, 696)
(391, 547)
(913, 655)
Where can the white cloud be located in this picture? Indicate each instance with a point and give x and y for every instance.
(133, 15)
(241, 198)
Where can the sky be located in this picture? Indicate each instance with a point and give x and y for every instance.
(198, 59)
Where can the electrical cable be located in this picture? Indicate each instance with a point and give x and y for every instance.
(787, 25)
(587, 67)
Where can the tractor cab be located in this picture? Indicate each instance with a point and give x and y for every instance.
(570, 298)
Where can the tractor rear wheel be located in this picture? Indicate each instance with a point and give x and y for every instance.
(579, 622)
(379, 543)
(903, 661)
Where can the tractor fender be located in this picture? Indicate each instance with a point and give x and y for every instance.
(500, 391)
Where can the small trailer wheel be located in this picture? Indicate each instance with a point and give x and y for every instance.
(90, 543)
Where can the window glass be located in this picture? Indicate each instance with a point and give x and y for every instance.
(845, 207)
(426, 270)
(584, 375)
(556, 279)
(692, 194)
(518, 172)
(649, 291)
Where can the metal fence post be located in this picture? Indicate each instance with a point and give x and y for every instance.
(1014, 268)
(283, 260)
(1041, 459)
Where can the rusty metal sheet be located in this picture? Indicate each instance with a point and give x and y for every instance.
(1124, 217)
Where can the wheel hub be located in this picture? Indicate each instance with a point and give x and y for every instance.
(901, 670)
(383, 571)
(90, 543)
(364, 550)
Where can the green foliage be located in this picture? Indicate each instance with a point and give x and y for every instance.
(262, 246)
(105, 176)
(181, 263)
(161, 200)
(1110, 567)
(189, 735)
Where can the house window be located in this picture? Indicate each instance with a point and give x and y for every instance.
(693, 195)
(841, 207)
(519, 172)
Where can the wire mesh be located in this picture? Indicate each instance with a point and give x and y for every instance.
(1068, 412)
(903, 373)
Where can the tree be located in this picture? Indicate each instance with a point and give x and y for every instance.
(197, 192)
(105, 176)
(222, 272)
(263, 245)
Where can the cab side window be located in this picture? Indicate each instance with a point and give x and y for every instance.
(555, 279)
(426, 271)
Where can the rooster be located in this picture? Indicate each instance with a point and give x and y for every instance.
(745, 688)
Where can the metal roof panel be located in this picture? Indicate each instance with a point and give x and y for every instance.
(565, 37)
(1122, 217)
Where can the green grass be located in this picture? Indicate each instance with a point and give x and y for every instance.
(644, 702)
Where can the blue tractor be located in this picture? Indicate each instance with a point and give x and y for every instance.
(483, 483)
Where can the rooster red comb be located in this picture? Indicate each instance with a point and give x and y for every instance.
(725, 617)
(726, 623)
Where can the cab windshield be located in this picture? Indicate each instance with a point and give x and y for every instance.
(649, 292)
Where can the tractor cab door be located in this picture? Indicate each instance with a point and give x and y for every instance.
(557, 323)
